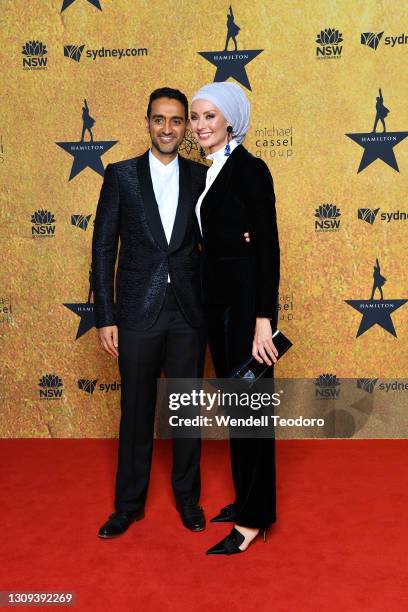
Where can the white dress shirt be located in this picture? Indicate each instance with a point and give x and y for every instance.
(165, 179)
(218, 160)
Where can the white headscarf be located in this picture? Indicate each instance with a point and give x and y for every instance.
(233, 103)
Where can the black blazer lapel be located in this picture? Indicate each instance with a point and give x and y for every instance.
(149, 201)
(221, 183)
(184, 206)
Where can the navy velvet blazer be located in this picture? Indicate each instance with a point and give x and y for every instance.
(127, 210)
(235, 272)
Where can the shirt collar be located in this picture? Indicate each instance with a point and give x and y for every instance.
(160, 167)
(219, 156)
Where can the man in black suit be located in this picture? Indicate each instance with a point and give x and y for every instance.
(157, 322)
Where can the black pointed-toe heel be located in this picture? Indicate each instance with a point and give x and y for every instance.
(229, 545)
(265, 533)
(226, 515)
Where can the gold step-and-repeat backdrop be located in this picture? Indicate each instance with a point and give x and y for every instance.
(328, 89)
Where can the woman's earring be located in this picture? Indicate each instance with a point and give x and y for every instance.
(227, 150)
(202, 152)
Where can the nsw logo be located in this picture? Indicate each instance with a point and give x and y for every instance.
(43, 224)
(34, 53)
(328, 41)
(51, 387)
(327, 387)
(327, 218)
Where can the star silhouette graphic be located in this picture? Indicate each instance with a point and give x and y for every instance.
(86, 154)
(378, 145)
(376, 312)
(231, 64)
(87, 317)
(67, 3)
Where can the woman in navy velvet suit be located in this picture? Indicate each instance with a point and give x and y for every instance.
(240, 286)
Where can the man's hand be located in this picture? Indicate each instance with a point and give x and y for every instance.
(263, 348)
(109, 339)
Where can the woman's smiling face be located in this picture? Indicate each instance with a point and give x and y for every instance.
(208, 124)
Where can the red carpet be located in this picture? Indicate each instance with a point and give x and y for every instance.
(340, 543)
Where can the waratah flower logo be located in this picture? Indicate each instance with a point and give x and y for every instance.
(42, 217)
(329, 36)
(327, 211)
(34, 47)
(50, 380)
(327, 380)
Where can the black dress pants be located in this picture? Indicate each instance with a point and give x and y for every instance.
(230, 335)
(175, 347)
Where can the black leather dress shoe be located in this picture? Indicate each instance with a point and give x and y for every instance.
(192, 517)
(118, 523)
(226, 515)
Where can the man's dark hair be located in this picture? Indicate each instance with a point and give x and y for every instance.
(167, 92)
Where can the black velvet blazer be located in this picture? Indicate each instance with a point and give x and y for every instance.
(127, 210)
(241, 199)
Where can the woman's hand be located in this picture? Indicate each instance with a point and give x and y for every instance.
(263, 348)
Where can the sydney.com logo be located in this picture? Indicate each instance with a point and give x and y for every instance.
(74, 52)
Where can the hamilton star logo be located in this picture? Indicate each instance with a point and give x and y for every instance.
(87, 153)
(231, 63)
(67, 3)
(85, 311)
(378, 145)
(376, 312)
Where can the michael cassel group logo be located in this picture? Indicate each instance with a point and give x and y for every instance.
(328, 42)
(274, 142)
(327, 218)
(34, 55)
(74, 52)
(51, 387)
(6, 310)
(370, 215)
(373, 39)
(327, 387)
(43, 224)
